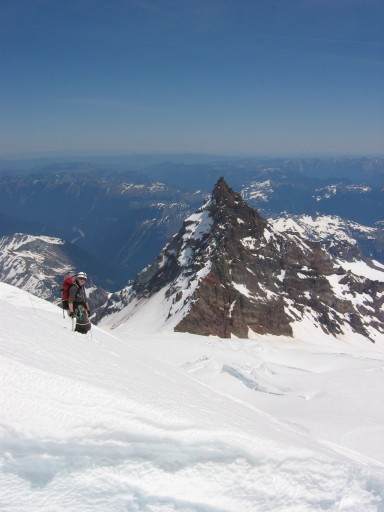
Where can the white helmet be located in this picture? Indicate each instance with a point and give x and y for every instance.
(82, 275)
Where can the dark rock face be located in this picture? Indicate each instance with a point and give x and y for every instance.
(227, 273)
(220, 305)
(243, 289)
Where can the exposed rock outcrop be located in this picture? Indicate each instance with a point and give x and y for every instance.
(229, 273)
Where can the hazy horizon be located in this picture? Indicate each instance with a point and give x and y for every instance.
(115, 154)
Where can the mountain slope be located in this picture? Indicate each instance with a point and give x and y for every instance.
(343, 238)
(38, 265)
(228, 272)
(122, 212)
(95, 423)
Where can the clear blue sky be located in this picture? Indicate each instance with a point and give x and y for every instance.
(260, 77)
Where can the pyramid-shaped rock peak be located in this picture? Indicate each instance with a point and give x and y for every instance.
(230, 210)
(228, 273)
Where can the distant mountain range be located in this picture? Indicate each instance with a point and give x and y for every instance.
(121, 211)
(227, 272)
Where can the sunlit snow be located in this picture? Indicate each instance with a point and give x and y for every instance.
(126, 420)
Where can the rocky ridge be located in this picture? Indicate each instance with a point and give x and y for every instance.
(38, 265)
(229, 273)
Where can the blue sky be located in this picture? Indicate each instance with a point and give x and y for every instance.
(262, 77)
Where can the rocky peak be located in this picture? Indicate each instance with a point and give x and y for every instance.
(229, 273)
(230, 211)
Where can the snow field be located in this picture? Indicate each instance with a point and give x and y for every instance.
(128, 421)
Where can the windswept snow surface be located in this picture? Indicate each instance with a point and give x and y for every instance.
(127, 421)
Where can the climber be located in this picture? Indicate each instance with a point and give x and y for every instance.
(78, 306)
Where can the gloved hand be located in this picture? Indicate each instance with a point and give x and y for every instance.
(71, 314)
(89, 312)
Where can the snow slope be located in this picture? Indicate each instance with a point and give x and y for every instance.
(126, 421)
(322, 227)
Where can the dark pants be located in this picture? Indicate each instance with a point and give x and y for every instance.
(83, 325)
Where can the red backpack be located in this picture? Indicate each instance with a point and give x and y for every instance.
(67, 283)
